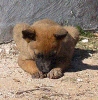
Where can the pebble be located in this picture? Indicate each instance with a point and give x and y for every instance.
(85, 40)
(0, 93)
(79, 80)
(7, 51)
(90, 54)
(0, 50)
(96, 34)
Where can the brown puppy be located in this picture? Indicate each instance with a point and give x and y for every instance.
(46, 48)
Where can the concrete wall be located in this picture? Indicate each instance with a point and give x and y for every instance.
(73, 12)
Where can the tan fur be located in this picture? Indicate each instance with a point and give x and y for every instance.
(45, 42)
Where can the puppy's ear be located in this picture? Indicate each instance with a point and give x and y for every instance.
(61, 34)
(29, 34)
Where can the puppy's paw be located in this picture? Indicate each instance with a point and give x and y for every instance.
(55, 73)
(38, 75)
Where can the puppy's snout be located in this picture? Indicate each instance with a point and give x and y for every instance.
(45, 63)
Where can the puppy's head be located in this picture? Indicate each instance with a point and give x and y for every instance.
(44, 44)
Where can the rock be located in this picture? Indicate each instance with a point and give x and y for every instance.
(85, 40)
(79, 80)
(90, 54)
(0, 50)
(96, 34)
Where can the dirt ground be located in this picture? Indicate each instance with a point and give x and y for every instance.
(78, 83)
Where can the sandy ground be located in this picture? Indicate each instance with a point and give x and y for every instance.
(78, 83)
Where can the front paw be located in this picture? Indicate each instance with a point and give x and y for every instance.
(55, 73)
(38, 75)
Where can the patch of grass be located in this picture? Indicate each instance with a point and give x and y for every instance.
(84, 33)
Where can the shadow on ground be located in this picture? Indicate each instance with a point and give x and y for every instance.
(78, 57)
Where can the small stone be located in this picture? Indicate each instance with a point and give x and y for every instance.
(16, 80)
(0, 50)
(7, 51)
(0, 93)
(85, 40)
(79, 80)
(90, 54)
(96, 34)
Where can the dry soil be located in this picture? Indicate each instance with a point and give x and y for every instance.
(78, 83)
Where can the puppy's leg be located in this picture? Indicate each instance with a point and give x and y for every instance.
(57, 72)
(30, 67)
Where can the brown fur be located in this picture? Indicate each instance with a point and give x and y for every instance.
(45, 37)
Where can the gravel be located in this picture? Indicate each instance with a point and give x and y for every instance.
(78, 83)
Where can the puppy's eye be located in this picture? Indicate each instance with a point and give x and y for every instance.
(39, 55)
